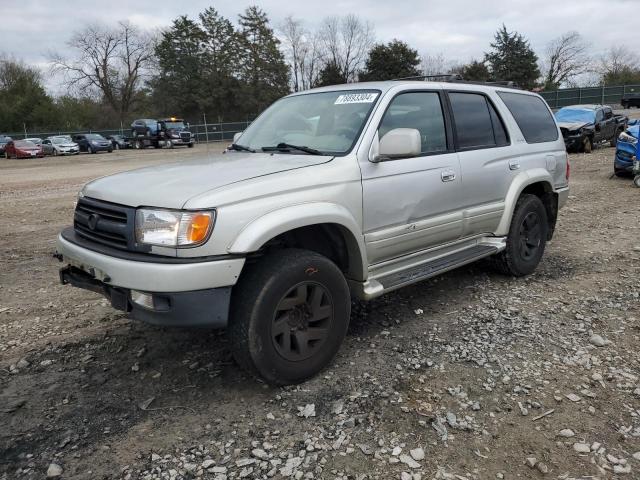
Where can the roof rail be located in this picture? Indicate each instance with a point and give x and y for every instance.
(457, 78)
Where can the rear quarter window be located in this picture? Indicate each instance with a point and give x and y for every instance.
(532, 116)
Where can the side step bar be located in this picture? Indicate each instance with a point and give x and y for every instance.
(436, 267)
(423, 265)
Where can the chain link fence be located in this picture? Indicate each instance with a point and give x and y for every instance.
(598, 95)
(203, 132)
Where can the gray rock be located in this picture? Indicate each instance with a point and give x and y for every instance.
(54, 470)
(531, 461)
(598, 341)
(408, 461)
(566, 432)
(417, 454)
(309, 410)
(582, 447)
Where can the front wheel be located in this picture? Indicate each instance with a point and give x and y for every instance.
(587, 145)
(290, 314)
(527, 238)
(636, 181)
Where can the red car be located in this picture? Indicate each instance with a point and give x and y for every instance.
(22, 149)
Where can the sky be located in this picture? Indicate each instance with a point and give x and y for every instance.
(459, 29)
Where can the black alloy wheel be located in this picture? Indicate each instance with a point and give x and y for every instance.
(530, 236)
(302, 321)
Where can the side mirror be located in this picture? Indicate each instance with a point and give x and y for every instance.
(236, 136)
(397, 143)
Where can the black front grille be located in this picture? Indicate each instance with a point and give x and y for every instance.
(106, 223)
(185, 136)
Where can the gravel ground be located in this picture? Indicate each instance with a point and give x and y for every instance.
(471, 375)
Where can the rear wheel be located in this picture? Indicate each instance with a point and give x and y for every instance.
(527, 238)
(636, 181)
(290, 313)
(587, 145)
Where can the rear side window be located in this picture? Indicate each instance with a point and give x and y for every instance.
(478, 125)
(532, 116)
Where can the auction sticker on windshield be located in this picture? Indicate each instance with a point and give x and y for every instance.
(356, 98)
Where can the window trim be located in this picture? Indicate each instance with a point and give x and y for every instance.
(448, 127)
(455, 129)
(553, 117)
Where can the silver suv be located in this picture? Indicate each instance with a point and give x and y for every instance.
(352, 190)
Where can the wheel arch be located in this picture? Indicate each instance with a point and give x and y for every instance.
(536, 182)
(325, 228)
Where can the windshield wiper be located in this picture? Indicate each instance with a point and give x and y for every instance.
(240, 148)
(284, 147)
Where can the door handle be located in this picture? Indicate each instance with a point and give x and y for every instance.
(448, 175)
(514, 165)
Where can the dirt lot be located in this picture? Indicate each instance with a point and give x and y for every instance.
(468, 376)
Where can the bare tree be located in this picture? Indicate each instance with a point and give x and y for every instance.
(294, 42)
(565, 58)
(346, 42)
(435, 64)
(616, 60)
(111, 62)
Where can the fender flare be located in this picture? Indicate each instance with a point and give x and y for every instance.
(262, 229)
(519, 183)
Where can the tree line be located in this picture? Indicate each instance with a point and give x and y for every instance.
(211, 66)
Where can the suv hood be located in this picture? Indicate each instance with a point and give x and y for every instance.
(172, 185)
(571, 126)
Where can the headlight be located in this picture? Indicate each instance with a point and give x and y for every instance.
(93, 142)
(173, 228)
(625, 137)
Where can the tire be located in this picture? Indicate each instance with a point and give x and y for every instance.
(137, 145)
(272, 311)
(614, 140)
(587, 145)
(110, 150)
(116, 146)
(55, 152)
(90, 150)
(620, 173)
(190, 145)
(527, 238)
(636, 181)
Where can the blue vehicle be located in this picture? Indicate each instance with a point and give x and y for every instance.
(626, 150)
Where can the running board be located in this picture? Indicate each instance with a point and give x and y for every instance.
(415, 270)
(436, 267)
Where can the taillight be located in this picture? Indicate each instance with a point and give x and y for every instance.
(568, 172)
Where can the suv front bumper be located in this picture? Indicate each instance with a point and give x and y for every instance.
(174, 291)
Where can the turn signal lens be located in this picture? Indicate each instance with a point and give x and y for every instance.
(198, 228)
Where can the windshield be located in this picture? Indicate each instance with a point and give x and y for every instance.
(174, 125)
(59, 140)
(329, 121)
(580, 115)
(25, 144)
(94, 136)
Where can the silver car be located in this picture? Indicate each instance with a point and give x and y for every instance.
(351, 190)
(61, 145)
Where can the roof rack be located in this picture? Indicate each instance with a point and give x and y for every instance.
(457, 78)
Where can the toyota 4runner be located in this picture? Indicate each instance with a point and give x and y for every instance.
(352, 190)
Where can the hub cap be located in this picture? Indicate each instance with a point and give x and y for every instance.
(530, 236)
(302, 321)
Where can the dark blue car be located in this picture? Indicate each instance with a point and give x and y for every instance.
(626, 149)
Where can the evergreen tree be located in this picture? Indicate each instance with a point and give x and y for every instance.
(221, 48)
(331, 74)
(261, 63)
(513, 59)
(180, 53)
(23, 100)
(475, 71)
(393, 60)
